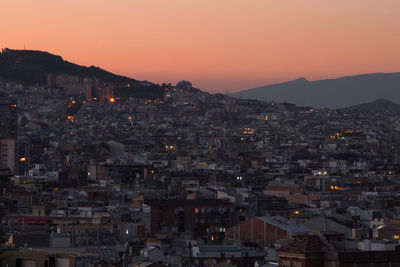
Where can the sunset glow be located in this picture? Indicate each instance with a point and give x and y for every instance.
(219, 45)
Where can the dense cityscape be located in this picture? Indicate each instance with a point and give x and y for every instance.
(189, 178)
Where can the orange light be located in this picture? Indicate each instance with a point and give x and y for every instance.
(22, 159)
(70, 118)
(112, 99)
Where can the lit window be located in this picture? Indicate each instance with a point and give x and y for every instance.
(196, 210)
(396, 236)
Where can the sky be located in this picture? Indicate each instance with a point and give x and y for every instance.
(218, 45)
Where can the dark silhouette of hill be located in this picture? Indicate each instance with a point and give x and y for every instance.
(32, 67)
(377, 105)
(333, 93)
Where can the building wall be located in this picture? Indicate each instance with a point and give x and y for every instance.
(293, 263)
(199, 216)
(8, 118)
(301, 260)
(8, 154)
(18, 258)
(256, 231)
(390, 258)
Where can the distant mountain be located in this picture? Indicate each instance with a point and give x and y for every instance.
(332, 93)
(377, 105)
(32, 67)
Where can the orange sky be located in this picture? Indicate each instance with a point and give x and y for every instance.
(219, 45)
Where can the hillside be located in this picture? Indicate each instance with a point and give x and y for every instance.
(32, 67)
(332, 93)
(377, 105)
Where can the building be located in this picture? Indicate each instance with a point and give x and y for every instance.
(44, 257)
(8, 157)
(8, 117)
(266, 230)
(308, 251)
(315, 251)
(8, 133)
(319, 182)
(225, 255)
(204, 217)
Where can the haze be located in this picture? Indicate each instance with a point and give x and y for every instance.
(223, 45)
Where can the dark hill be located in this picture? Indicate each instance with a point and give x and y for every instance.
(32, 67)
(377, 105)
(333, 93)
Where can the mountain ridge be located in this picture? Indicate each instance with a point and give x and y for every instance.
(379, 105)
(14, 62)
(33, 67)
(338, 92)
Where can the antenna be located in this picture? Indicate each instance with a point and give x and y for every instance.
(24, 47)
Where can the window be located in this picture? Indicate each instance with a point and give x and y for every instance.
(297, 264)
(396, 236)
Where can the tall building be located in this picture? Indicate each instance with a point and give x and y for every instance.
(8, 154)
(8, 132)
(23, 158)
(8, 117)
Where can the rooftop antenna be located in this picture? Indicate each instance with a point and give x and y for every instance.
(24, 47)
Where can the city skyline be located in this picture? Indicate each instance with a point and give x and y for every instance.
(226, 46)
(154, 133)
